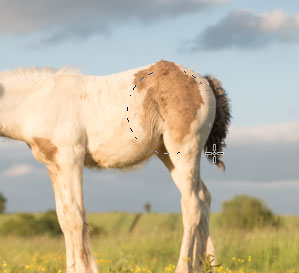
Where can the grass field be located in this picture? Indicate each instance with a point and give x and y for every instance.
(153, 246)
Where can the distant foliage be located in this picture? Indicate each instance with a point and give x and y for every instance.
(23, 224)
(97, 230)
(147, 207)
(27, 225)
(48, 223)
(2, 202)
(246, 212)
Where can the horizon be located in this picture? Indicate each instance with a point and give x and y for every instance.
(250, 47)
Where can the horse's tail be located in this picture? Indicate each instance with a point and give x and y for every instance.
(221, 123)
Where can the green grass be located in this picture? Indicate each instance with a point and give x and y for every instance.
(154, 246)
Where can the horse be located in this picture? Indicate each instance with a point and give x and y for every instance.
(70, 120)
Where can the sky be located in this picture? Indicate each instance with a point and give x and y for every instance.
(250, 46)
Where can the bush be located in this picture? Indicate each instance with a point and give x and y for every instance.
(27, 225)
(48, 223)
(97, 230)
(246, 212)
(23, 224)
(2, 203)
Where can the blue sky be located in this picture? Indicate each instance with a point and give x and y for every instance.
(251, 46)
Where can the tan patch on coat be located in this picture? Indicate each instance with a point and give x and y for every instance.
(170, 93)
(165, 157)
(47, 148)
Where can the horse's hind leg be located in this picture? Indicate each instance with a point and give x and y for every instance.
(203, 246)
(185, 171)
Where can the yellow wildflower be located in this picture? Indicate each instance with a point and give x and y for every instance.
(186, 259)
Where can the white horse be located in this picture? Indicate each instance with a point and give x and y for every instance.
(71, 120)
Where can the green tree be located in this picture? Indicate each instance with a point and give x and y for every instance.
(247, 213)
(147, 207)
(2, 203)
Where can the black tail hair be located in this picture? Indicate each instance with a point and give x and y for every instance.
(221, 123)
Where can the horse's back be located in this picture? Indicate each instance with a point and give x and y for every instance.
(151, 101)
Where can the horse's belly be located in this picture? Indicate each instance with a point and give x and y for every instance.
(123, 150)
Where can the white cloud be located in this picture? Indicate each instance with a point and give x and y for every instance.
(18, 170)
(246, 30)
(273, 133)
(277, 20)
(61, 20)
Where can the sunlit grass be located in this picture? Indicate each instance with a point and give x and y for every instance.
(154, 247)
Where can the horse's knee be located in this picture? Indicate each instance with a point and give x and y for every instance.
(73, 215)
(191, 208)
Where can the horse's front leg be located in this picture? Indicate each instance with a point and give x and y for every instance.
(69, 246)
(66, 175)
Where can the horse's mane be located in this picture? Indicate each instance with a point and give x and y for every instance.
(19, 72)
